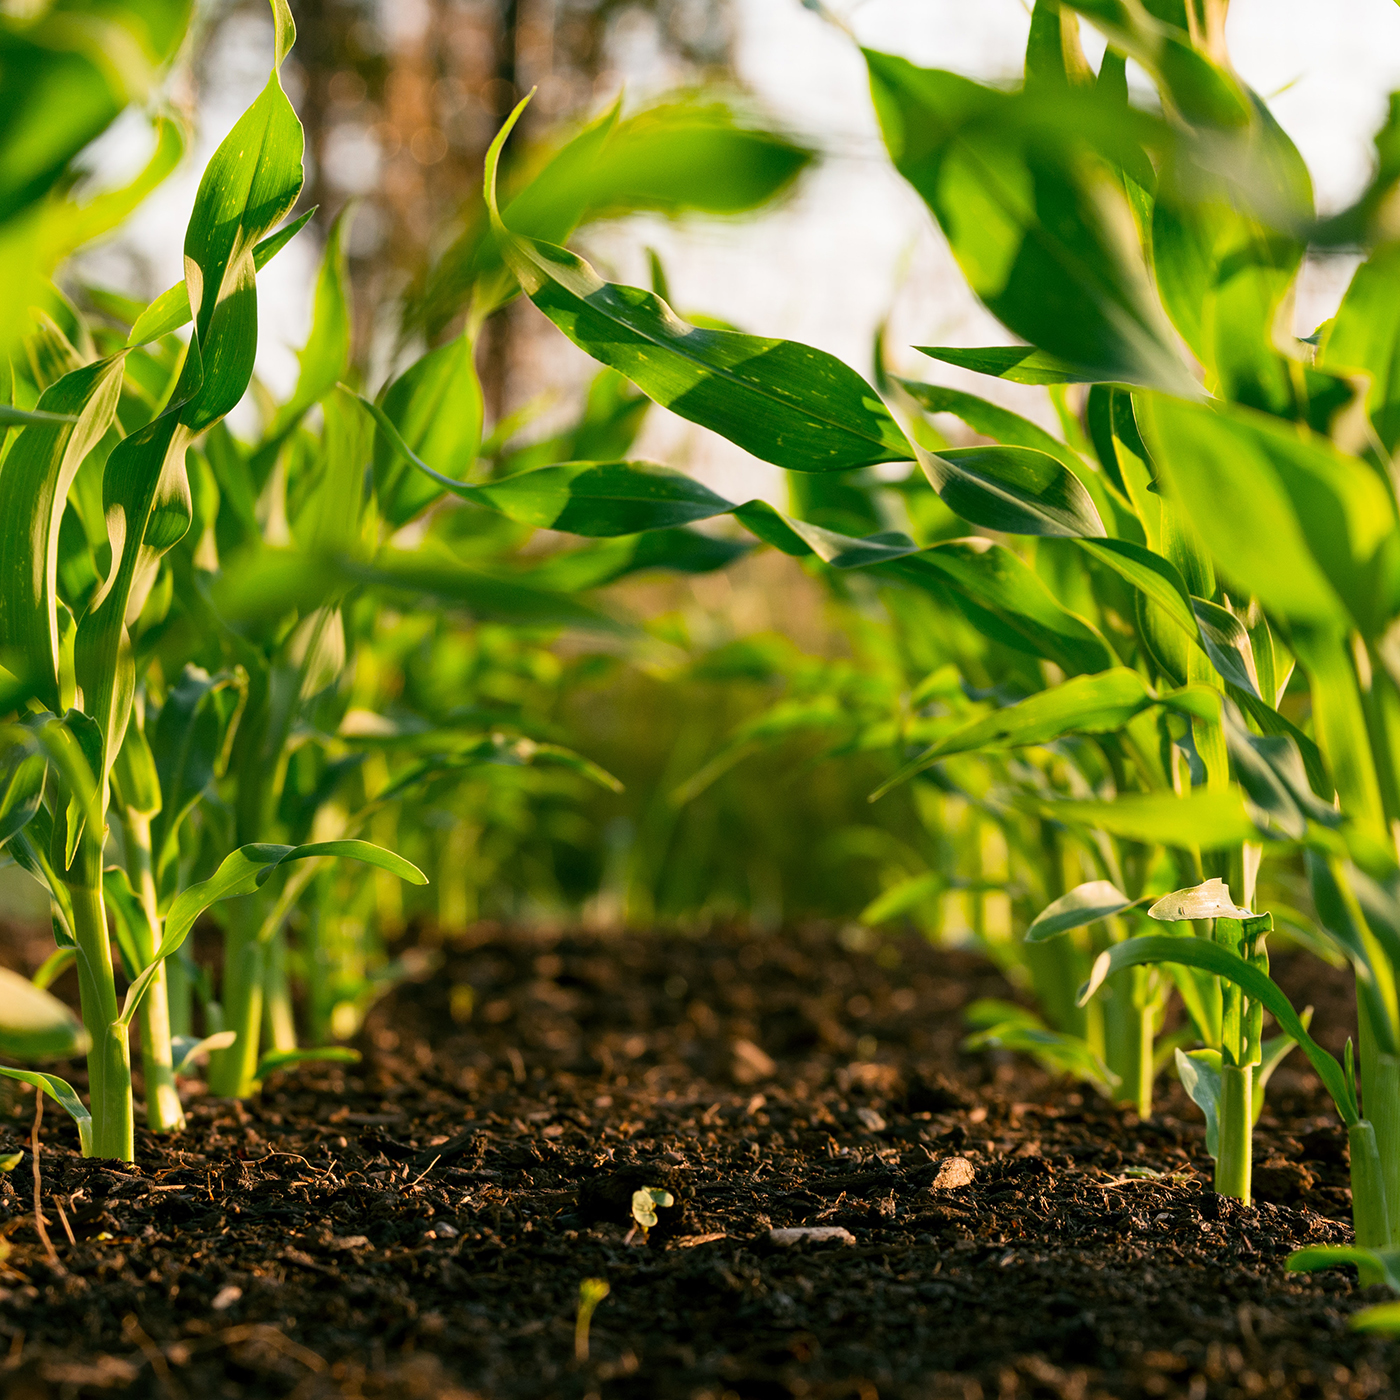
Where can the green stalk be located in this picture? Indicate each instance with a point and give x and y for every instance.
(164, 1112)
(109, 1060)
(1380, 1091)
(280, 1028)
(179, 994)
(232, 1072)
(1370, 1217)
(1128, 1033)
(1234, 1165)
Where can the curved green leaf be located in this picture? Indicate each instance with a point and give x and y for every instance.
(243, 872)
(1014, 490)
(61, 1092)
(1216, 958)
(1209, 820)
(787, 403)
(35, 1025)
(1020, 364)
(1084, 904)
(1041, 230)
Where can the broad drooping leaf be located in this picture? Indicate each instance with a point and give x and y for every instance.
(1253, 981)
(683, 154)
(1210, 900)
(1021, 185)
(1282, 511)
(787, 403)
(35, 1025)
(1020, 364)
(1014, 490)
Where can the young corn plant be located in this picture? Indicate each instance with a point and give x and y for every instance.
(76, 659)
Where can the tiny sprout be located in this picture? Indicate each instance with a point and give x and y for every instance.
(591, 1292)
(645, 1202)
(10, 1160)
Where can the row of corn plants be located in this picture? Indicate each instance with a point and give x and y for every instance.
(1189, 593)
(206, 641)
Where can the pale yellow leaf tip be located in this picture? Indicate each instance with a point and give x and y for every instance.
(285, 30)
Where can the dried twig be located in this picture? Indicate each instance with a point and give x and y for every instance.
(38, 1211)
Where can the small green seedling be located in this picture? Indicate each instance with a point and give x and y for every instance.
(10, 1160)
(644, 1204)
(591, 1292)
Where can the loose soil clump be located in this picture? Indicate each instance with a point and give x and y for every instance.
(860, 1210)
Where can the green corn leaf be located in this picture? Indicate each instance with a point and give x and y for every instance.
(1099, 704)
(1364, 337)
(1298, 523)
(1005, 599)
(23, 767)
(189, 747)
(436, 407)
(989, 419)
(787, 403)
(678, 551)
(1084, 904)
(34, 1025)
(1201, 90)
(1014, 490)
(1156, 578)
(11, 417)
(1020, 364)
(271, 1060)
(1374, 1266)
(1037, 224)
(1226, 642)
(1007, 1026)
(188, 1050)
(691, 153)
(1217, 959)
(1209, 820)
(61, 1092)
(249, 185)
(243, 872)
(171, 309)
(1199, 1072)
(901, 898)
(1383, 1318)
(326, 355)
(39, 470)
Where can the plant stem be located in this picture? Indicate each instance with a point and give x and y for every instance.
(232, 1072)
(1380, 1094)
(1369, 1214)
(109, 1060)
(179, 994)
(1128, 1032)
(1234, 1165)
(164, 1112)
(281, 1031)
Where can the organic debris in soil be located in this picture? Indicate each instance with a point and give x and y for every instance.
(421, 1227)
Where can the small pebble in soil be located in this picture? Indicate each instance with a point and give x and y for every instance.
(952, 1173)
(815, 1234)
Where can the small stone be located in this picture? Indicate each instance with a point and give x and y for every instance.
(750, 1063)
(444, 1231)
(952, 1172)
(226, 1297)
(816, 1234)
(342, 1242)
(870, 1120)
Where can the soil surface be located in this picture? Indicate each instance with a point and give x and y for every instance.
(419, 1225)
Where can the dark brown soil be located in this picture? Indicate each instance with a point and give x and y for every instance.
(420, 1226)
